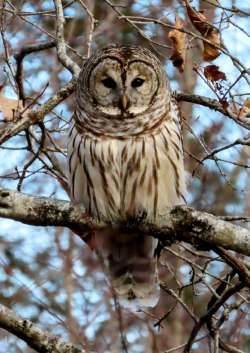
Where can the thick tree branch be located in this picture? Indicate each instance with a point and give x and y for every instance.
(41, 341)
(181, 223)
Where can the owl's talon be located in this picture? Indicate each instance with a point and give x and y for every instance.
(133, 221)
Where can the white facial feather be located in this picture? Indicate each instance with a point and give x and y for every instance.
(108, 99)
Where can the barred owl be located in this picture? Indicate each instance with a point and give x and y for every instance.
(126, 160)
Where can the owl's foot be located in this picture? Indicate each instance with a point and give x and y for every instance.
(132, 221)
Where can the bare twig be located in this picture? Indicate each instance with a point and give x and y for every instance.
(35, 116)
(183, 304)
(236, 264)
(92, 22)
(212, 310)
(61, 47)
(210, 103)
(243, 141)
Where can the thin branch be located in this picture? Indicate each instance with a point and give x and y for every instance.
(36, 13)
(235, 218)
(211, 104)
(184, 344)
(61, 47)
(134, 19)
(212, 310)
(212, 325)
(35, 116)
(92, 22)
(179, 299)
(245, 141)
(20, 55)
(33, 48)
(236, 264)
(40, 29)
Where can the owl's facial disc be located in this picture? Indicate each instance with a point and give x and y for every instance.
(141, 86)
(120, 91)
(105, 86)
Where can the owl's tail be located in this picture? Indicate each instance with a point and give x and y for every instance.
(131, 265)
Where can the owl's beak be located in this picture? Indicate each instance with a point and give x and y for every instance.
(124, 101)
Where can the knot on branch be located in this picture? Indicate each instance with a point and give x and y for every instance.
(187, 221)
(5, 199)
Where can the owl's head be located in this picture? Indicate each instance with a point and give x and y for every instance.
(121, 82)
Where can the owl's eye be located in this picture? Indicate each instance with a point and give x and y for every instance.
(137, 82)
(109, 82)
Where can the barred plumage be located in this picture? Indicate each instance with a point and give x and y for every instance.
(126, 159)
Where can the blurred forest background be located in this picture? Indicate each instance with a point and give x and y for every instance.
(49, 275)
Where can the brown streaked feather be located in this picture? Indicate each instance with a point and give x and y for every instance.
(121, 166)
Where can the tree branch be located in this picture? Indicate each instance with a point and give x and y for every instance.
(37, 115)
(181, 223)
(211, 311)
(20, 55)
(41, 341)
(61, 46)
(211, 104)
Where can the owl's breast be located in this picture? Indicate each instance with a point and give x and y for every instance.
(120, 179)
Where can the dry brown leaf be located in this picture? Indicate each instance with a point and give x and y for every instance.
(179, 49)
(212, 73)
(10, 108)
(210, 33)
(224, 103)
(245, 110)
(197, 18)
(210, 52)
